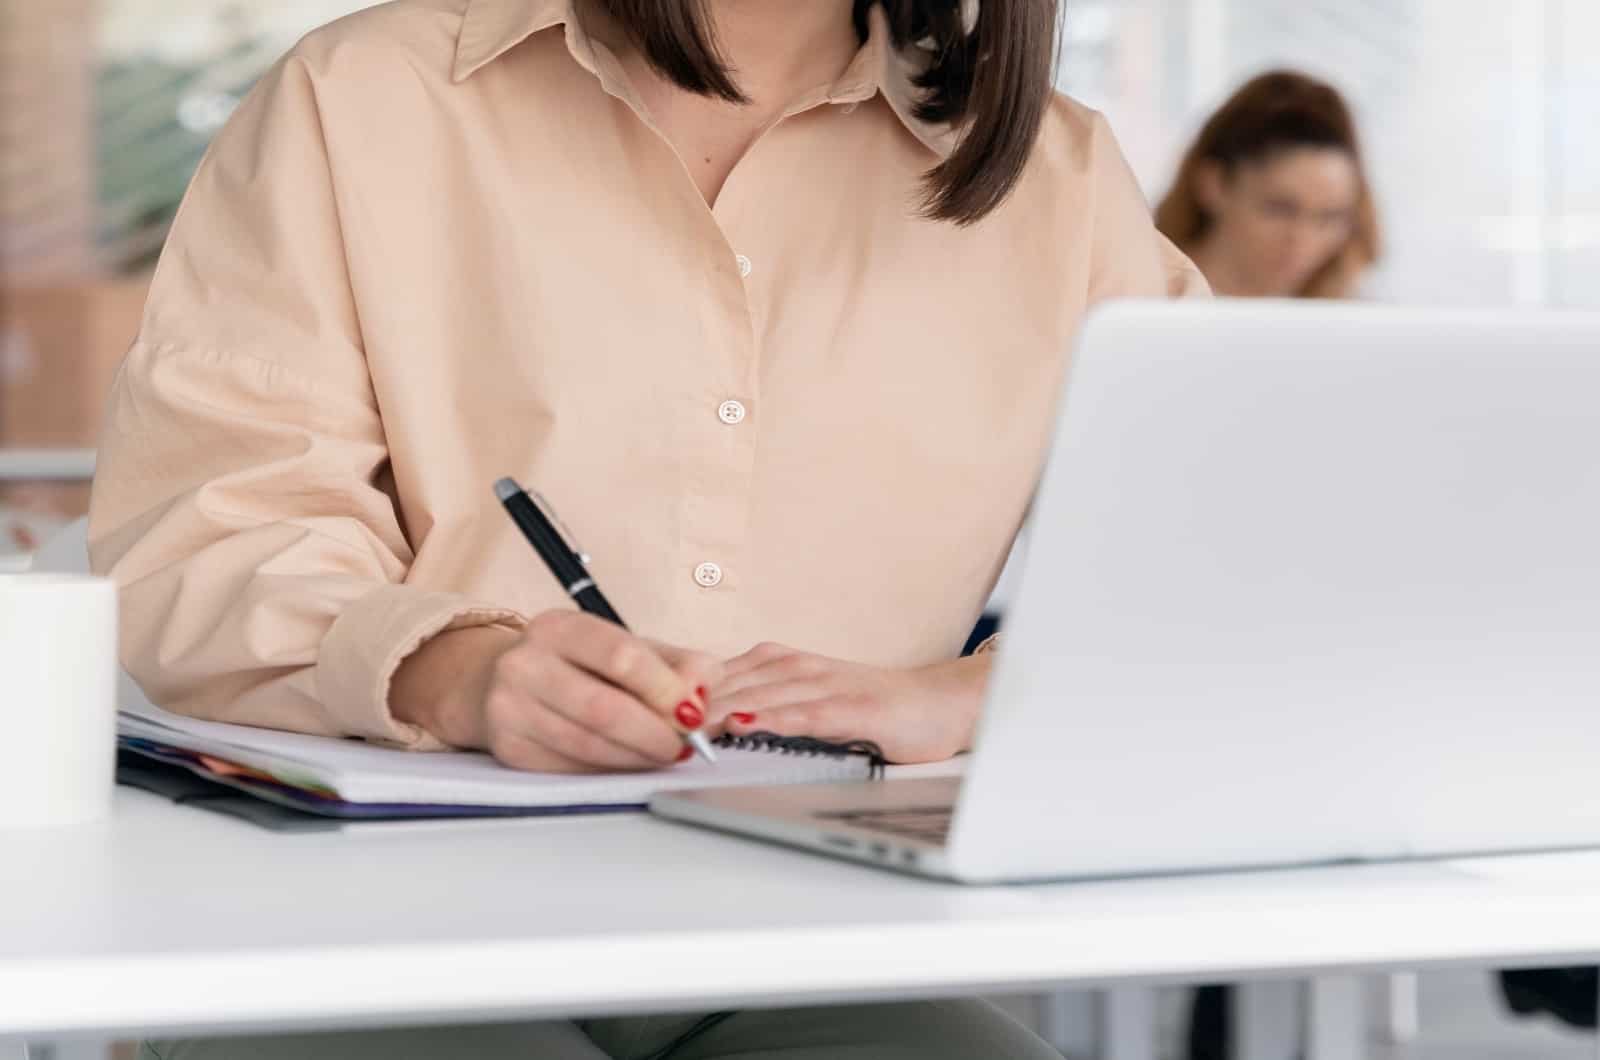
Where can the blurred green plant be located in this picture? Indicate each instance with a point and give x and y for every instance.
(154, 122)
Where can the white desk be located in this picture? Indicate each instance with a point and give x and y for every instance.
(169, 919)
(47, 465)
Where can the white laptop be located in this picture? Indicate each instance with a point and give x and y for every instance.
(1305, 583)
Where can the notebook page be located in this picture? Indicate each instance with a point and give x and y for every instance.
(363, 772)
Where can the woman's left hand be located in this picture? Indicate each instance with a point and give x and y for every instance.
(922, 715)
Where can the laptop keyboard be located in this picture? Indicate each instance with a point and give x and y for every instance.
(930, 824)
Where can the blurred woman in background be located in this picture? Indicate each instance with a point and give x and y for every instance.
(1272, 200)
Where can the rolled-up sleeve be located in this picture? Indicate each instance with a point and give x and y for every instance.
(242, 500)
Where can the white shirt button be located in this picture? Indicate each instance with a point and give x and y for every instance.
(708, 575)
(744, 265)
(730, 412)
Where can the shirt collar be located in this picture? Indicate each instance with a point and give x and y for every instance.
(493, 27)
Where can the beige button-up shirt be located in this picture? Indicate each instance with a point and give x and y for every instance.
(442, 242)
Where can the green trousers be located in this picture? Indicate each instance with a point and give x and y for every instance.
(919, 1030)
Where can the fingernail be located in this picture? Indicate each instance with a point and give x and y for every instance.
(686, 754)
(743, 718)
(689, 715)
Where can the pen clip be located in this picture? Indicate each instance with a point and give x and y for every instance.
(561, 527)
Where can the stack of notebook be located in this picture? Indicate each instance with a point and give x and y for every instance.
(281, 778)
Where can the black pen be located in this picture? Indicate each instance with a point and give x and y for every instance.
(538, 523)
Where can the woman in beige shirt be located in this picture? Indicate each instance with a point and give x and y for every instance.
(771, 299)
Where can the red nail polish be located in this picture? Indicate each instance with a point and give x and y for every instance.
(686, 754)
(689, 715)
(743, 718)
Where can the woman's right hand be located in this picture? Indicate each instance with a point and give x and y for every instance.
(571, 693)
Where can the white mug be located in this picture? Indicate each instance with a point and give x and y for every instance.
(58, 707)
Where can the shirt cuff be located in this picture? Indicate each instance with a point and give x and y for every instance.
(370, 639)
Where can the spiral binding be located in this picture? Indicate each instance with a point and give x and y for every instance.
(807, 746)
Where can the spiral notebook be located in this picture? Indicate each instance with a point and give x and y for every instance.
(352, 779)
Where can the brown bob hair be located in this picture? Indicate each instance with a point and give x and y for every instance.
(995, 83)
(1278, 111)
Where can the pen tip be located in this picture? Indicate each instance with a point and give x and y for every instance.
(506, 488)
(698, 741)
